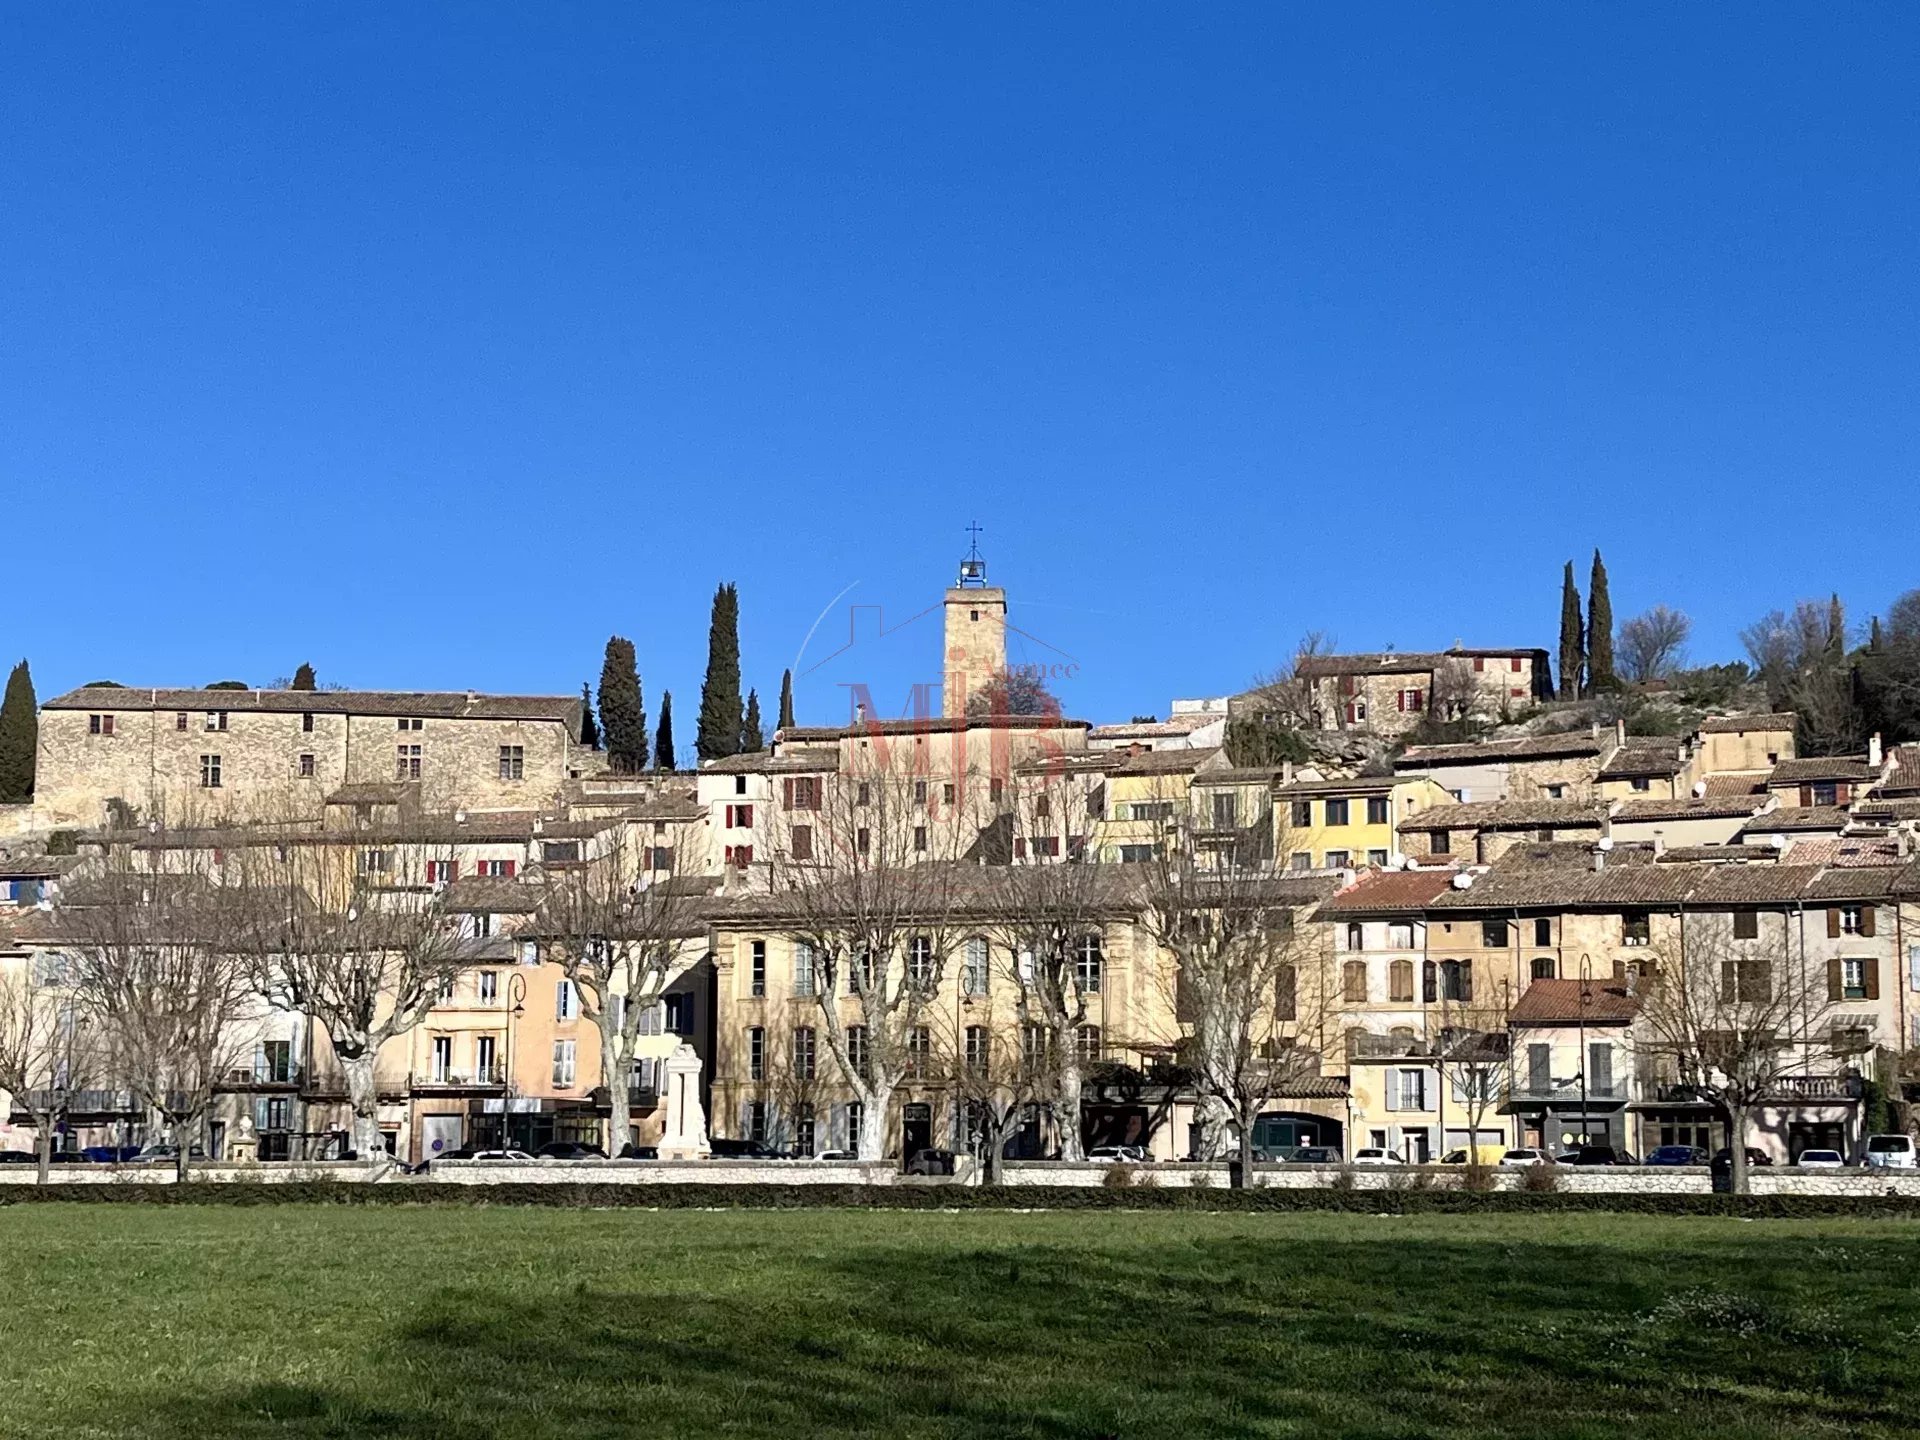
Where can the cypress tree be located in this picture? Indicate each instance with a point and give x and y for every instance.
(1873, 635)
(589, 732)
(786, 700)
(1599, 629)
(721, 716)
(1573, 654)
(623, 717)
(752, 737)
(1836, 628)
(19, 737)
(663, 741)
(303, 678)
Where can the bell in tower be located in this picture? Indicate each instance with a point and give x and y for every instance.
(973, 569)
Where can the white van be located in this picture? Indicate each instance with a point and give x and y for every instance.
(1889, 1152)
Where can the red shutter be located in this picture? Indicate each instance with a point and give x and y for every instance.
(1019, 848)
(1833, 922)
(1872, 967)
(786, 790)
(1402, 699)
(508, 871)
(1866, 924)
(1806, 794)
(1479, 664)
(1842, 792)
(1833, 979)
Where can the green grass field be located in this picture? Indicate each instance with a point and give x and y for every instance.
(311, 1321)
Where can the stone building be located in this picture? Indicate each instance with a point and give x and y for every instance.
(1389, 694)
(112, 754)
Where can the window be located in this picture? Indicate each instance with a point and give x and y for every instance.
(1353, 982)
(1542, 967)
(1746, 924)
(919, 839)
(1338, 859)
(1356, 934)
(803, 793)
(804, 970)
(180, 720)
(803, 1138)
(1047, 847)
(996, 790)
(919, 792)
(660, 857)
(565, 1000)
(1300, 860)
(513, 762)
(946, 794)
(1086, 1044)
(1151, 810)
(862, 795)
(306, 722)
(919, 1052)
(1336, 812)
(1853, 920)
(679, 1015)
(100, 724)
(1407, 1090)
(979, 1049)
(1377, 809)
(1033, 1046)
(1411, 701)
(804, 1052)
(1226, 810)
(410, 722)
(1493, 934)
(406, 762)
(1556, 792)
(1825, 793)
(1356, 711)
(1746, 982)
(738, 856)
(1303, 813)
(863, 840)
(756, 1053)
(857, 1050)
(1543, 930)
(1087, 964)
(1853, 980)
(1441, 843)
(496, 869)
(757, 985)
(756, 1121)
(563, 1064)
(739, 784)
(856, 1121)
(209, 772)
(1455, 980)
(1400, 981)
(1400, 936)
(486, 986)
(859, 971)
(973, 967)
(376, 862)
(560, 852)
(216, 719)
(920, 969)
(1636, 928)
(442, 1064)
(1377, 858)
(739, 817)
(306, 767)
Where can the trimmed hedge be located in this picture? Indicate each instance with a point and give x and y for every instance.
(956, 1197)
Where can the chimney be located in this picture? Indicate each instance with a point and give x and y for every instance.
(1659, 843)
(1599, 859)
(1873, 751)
(1286, 772)
(1620, 731)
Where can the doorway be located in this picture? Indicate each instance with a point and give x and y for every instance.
(916, 1130)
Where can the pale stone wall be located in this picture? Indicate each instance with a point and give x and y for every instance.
(976, 644)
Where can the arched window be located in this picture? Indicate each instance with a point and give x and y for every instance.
(1400, 981)
(1353, 982)
(1543, 967)
(1086, 964)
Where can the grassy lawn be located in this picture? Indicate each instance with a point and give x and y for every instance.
(213, 1322)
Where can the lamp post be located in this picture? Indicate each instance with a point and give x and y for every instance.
(516, 1005)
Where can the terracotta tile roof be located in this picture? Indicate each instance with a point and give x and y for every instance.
(1706, 807)
(1864, 882)
(1173, 725)
(1408, 662)
(1571, 854)
(1635, 759)
(930, 725)
(489, 894)
(1386, 891)
(765, 762)
(1631, 886)
(1537, 747)
(1821, 767)
(1846, 851)
(1167, 762)
(1903, 775)
(1740, 724)
(427, 704)
(1797, 817)
(1735, 785)
(1358, 785)
(1508, 815)
(1559, 1002)
(37, 867)
(1886, 811)
(1238, 775)
(1678, 854)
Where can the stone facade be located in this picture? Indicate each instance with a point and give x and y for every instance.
(195, 756)
(976, 644)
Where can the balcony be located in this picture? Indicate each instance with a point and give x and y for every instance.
(1562, 1092)
(262, 1075)
(485, 1077)
(1787, 1090)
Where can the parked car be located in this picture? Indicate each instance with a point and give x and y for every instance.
(825, 1155)
(1372, 1155)
(569, 1150)
(166, 1155)
(18, 1157)
(724, 1149)
(1676, 1155)
(1315, 1155)
(1526, 1157)
(931, 1162)
(1122, 1154)
(101, 1154)
(1597, 1155)
(1483, 1155)
(1889, 1152)
(1722, 1162)
(1820, 1160)
(631, 1151)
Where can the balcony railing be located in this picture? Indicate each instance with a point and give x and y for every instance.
(1787, 1089)
(262, 1073)
(472, 1078)
(1560, 1091)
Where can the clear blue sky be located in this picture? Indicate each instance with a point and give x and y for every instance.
(433, 343)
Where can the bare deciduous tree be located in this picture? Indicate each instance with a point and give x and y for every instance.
(1653, 644)
(1731, 1019)
(46, 1050)
(622, 934)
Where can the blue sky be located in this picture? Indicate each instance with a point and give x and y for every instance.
(433, 343)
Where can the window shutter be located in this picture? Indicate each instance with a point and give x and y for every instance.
(1866, 919)
(1466, 980)
(1833, 979)
(1402, 698)
(1806, 794)
(1728, 984)
(1427, 977)
(1871, 970)
(786, 792)
(1393, 1088)
(1833, 922)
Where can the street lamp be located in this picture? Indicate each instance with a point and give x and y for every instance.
(516, 1005)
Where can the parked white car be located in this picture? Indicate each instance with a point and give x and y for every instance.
(1889, 1152)
(1120, 1154)
(1820, 1160)
(825, 1155)
(1373, 1156)
(1526, 1157)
